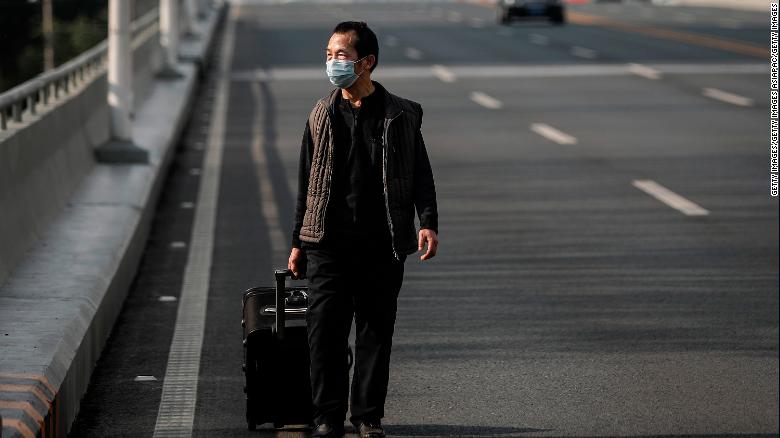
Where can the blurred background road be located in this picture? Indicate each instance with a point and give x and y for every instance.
(608, 260)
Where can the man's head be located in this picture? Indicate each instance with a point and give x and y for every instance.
(354, 41)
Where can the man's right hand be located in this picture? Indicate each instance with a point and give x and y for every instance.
(297, 263)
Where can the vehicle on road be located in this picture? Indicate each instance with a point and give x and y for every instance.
(507, 10)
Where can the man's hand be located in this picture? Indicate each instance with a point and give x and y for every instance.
(427, 235)
(297, 263)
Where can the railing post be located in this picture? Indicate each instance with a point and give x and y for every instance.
(121, 148)
(169, 37)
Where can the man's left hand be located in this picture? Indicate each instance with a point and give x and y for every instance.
(429, 236)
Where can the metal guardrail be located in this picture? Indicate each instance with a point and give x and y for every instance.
(48, 87)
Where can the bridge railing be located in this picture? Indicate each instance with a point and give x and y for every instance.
(25, 99)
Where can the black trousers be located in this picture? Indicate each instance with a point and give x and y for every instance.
(346, 280)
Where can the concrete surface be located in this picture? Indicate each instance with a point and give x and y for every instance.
(58, 305)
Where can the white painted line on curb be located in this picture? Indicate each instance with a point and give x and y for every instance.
(725, 96)
(178, 244)
(268, 202)
(644, 71)
(553, 134)
(443, 73)
(485, 100)
(167, 298)
(540, 40)
(413, 53)
(669, 198)
(187, 205)
(176, 413)
(145, 379)
(583, 52)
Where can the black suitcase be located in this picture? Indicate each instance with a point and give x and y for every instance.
(276, 355)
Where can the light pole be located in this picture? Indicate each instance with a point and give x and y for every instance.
(169, 38)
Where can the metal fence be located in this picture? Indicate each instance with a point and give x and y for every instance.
(25, 100)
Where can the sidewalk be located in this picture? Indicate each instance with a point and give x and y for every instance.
(58, 306)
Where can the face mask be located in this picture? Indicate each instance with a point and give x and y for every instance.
(341, 72)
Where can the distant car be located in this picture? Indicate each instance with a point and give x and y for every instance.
(506, 10)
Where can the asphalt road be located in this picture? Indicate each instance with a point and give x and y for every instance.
(567, 298)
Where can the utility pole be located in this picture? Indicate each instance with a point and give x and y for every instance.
(169, 38)
(121, 148)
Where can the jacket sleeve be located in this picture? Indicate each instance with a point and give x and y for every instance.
(304, 167)
(424, 187)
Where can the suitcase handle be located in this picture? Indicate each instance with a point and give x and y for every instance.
(280, 275)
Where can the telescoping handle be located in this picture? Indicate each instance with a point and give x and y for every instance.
(280, 275)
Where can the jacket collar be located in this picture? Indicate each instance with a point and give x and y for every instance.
(392, 107)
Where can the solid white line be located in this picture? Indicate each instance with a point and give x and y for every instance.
(178, 245)
(644, 71)
(167, 298)
(553, 134)
(539, 39)
(176, 412)
(505, 71)
(725, 96)
(413, 53)
(145, 379)
(669, 198)
(583, 52)
(485, 100)
(268, 202)
(443, 73)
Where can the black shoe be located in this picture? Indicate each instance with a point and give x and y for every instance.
(369, 429)
(326, 430)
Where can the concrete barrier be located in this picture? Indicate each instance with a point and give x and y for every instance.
(60, 299)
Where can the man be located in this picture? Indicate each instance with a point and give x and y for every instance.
(363, 171)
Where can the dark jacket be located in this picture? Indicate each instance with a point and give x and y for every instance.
(407, 176)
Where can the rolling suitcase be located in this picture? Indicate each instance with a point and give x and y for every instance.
(276, 355)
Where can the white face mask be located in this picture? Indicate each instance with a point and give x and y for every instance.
(341, 72)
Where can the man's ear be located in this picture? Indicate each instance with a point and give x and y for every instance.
(370, 61)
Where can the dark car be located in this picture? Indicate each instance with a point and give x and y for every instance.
(506, 10)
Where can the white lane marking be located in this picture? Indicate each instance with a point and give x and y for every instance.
(669, 198)
(391, 41)
(178, 245)
(725, 96)
(176, 413)
(145, 379)
(485, 100)
(167, 298)
(443, 73)
(268, 201)
(195, 171)
(506, 32)
(553, 134)
(455, 17)
(540, 40)
(477, 23)
(583, 52)
(187, 205)
(644, 71)
(413, 53)
(506, 71)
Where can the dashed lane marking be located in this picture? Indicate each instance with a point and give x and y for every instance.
(583, 52)
(413, 53)
(553, 134)
(725, 96)
(175, 415)
(443, 73)
(487, 101)
(644, 71)
(669, 198)
(538, 39)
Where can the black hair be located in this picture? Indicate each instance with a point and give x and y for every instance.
(366, 42)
